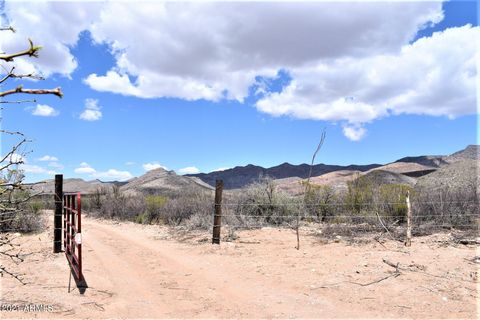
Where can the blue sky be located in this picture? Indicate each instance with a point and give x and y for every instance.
(135, 101)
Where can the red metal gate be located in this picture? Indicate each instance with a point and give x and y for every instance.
(72, 232)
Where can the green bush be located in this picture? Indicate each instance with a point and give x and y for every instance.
(320, 200)
(360, 193)
(391, 201)
(154, 205)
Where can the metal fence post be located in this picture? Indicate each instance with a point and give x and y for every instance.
(57, 219)
(217, 216)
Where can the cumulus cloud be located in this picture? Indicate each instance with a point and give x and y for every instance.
(221, 169)
(48, 158)
(216, 50)
(44, 110)
(349, 62)
(152, 166)
(432, 76)
(111, 174)
(354, 132)
(189, 170)
(92, 110)
(85, 168)
(55, 25)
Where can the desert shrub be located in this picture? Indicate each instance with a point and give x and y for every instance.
(189, 203)
(116, 205)
(320, 201)
(360, 193)
(390, 201)
(199, 220)
(447, 206)
(175, 209)
(153, 209)
(95, 199)
(27, 216)
(262, 204)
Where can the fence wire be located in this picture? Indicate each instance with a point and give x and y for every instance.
(366, 215)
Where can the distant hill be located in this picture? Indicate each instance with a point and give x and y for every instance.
(404, 167)
(459, 175)
(72, 185)
(239, 177)
(380, 177)
(429, 161)
(160, 181)
(471, 152)
(336, 179)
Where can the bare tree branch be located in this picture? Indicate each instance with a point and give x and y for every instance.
(57, 91)
(11, 74)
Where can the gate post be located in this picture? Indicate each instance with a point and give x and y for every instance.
(57, 219)
(217, 216)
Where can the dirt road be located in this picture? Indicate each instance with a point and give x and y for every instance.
(136, 271)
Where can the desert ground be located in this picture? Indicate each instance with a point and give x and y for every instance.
(138, 271)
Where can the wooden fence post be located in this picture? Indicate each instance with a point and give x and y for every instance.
(217, 216)
(57, 219)
(408, 241)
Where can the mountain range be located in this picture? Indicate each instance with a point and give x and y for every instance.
(405, 170)
(239, 177)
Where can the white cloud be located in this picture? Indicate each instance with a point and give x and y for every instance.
(111, 174)
(153, 166)
(215, 50)
(221, 169)
(207, 50)
(354, 132)
(432, 76)
(351, 62)
(48, 158)
(55, 25)
(92, 110)
(189, 170)
(85, 168)
(44, 110)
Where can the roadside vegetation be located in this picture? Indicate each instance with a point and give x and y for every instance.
(364, 207)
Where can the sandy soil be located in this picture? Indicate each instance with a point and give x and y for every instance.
(136, 271)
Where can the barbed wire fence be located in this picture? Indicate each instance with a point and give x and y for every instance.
(338, 218)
